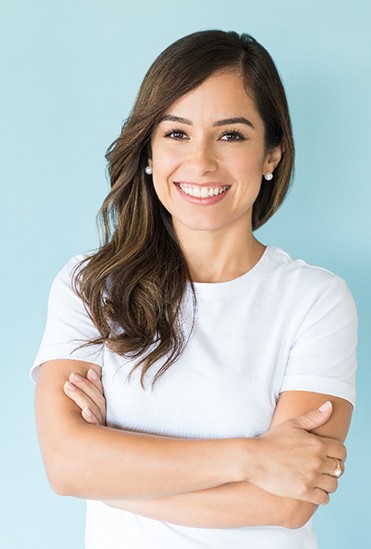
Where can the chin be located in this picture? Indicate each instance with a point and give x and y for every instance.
(199, 225)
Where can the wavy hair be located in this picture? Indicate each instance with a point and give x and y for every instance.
(134, 285)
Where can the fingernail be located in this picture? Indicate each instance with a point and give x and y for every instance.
(87, 412)
(93, 375)
(76, 377)
(326, 406)
(69, 386)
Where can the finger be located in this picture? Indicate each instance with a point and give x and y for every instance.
(90, 389)
(315, 418)
(96, 379)
(88, 416)
(93, 394)
(327, 483)
(334, 448)
(80, 397)
(318, 496)
(82, 400)
(331, 464)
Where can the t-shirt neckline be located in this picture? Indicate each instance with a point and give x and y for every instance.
(219, 288)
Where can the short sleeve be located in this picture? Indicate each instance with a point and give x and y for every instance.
(68, 324)
(322, 358)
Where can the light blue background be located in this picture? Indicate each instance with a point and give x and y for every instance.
(69, 73)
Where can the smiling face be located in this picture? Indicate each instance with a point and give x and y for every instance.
(209, 156)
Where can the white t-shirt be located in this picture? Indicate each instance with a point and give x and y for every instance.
(284, 325)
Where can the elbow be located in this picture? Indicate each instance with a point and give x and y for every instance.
(294, 522)
(66, 486)
(59, 486)
(60, 483)
(61, 478)
(298, 514)
(67, 473)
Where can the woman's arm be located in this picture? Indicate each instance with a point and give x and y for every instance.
(98, 462)
(240, 503)
(231, 505)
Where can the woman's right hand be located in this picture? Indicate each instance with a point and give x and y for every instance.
(290, 461)
(87, 392)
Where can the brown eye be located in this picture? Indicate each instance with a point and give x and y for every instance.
(176, 134)
(233, 136)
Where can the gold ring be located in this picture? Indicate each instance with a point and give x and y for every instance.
(338, 471)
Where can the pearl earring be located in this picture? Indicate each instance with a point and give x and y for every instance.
(148, 170)
(268, 176)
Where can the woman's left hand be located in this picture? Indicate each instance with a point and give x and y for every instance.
(87, 392)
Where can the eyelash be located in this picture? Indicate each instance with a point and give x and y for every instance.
(171, 132)
(235, 133)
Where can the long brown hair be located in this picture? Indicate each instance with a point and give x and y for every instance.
(133, 286)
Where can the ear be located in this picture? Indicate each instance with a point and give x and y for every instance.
(272, 159)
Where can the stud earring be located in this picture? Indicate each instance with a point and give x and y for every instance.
(268, 176)
(148, 170)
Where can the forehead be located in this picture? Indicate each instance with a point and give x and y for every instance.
(221, 95)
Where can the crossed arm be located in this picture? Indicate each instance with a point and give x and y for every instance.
(278, 479)
(238, 504)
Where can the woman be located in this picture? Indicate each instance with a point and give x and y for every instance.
(227, 367)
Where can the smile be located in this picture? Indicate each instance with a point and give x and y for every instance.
(202, 194)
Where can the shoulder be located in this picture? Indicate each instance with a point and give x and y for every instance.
(305, 290)
(68, 272)
(300, 276)
(76, 262)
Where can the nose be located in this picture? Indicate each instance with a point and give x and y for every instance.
(202, 158)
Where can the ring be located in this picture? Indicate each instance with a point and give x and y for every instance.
(338, 470)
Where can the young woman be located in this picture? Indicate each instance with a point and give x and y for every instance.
(227, 367)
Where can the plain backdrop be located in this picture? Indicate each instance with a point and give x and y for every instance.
(69, 72)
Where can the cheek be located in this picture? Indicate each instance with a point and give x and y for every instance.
(162, 179)
(163, 167)
(247, 171)
(164, 170)
(165, 160)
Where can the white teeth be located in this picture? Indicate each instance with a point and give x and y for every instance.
(203, 192)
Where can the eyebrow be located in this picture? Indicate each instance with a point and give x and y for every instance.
(224, 122)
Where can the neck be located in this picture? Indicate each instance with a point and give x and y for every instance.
(219, 256)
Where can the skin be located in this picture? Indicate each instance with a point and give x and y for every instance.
(276, 479)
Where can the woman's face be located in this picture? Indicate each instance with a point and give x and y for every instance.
(209, 156)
